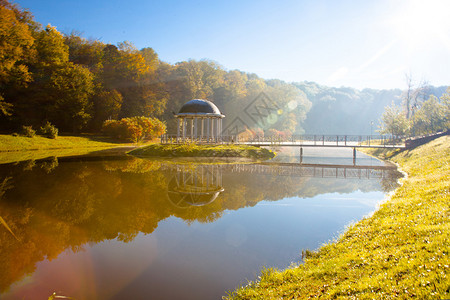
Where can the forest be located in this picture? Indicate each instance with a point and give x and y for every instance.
(76, 84)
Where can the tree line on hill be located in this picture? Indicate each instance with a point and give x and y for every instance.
(359, 112)
(77, 84)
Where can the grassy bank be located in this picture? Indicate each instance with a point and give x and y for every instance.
(16, 148)
(194, 150)
(401, 251)
(10, 143)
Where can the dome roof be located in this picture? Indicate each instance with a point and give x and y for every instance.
(199, 106)
(185, 195)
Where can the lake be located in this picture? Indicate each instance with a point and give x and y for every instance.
(129, 228)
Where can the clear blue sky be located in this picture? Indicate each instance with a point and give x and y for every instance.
(359, 44)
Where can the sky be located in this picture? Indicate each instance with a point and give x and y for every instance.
(359, 44)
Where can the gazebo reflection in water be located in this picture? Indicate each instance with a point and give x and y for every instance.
(195, 185)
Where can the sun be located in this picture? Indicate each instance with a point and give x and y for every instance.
(419, 22)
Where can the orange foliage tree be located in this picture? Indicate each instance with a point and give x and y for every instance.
(134, 129)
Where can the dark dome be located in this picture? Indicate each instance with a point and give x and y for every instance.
(185, 195)
(199, 106)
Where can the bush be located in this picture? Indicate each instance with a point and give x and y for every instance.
(49, 131)
(28, 131)
(134, 129)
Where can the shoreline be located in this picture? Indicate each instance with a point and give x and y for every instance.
(202, 151)
(399, 251)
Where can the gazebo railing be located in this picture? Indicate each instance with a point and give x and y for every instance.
(174, 139)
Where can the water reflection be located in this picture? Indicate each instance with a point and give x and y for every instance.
(195, 186)
(52, 205)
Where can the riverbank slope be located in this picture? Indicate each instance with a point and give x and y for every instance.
(401, 251)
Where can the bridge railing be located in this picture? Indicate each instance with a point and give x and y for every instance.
(304, 139)
(332, 140)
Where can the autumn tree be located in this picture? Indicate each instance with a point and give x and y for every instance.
(60, 89)
(15, 49)
(88, 53)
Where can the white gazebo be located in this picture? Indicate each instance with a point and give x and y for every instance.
(199, 121)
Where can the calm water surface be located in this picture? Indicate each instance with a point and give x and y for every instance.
(133, 228)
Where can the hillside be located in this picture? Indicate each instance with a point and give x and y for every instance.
(347, 110)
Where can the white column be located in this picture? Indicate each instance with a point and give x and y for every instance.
(201, 134)
(212, 130)
(178, 128)
(220, 129)
(192, 129)
(217, 130)
(184, 129)
(196, 128)
(207, 130)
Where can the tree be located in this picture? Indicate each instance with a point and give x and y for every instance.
(394, 122)
(51, 49)
(106, 105)
(88, 53)
(445, 100)
(16, 43)
(60, 89)
(430, 118)
(151, 58)
(413, 94)
(73, 85)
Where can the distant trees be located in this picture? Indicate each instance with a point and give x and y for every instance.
(413, 95)
(394, 121)
(344, 110)
(430, 116)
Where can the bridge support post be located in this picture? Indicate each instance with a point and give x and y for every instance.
(354, 155)
(301, 155)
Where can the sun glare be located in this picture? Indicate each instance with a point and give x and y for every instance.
(420, 22)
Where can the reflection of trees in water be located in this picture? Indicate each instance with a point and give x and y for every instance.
(390, 181)
(81, 202)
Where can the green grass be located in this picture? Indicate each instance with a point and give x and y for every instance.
(18, 148)
(20, 143)
(401, 251)
(194, 150)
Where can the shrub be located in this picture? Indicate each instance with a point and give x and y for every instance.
(28, 131)
(134, 129)
(49, 131)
